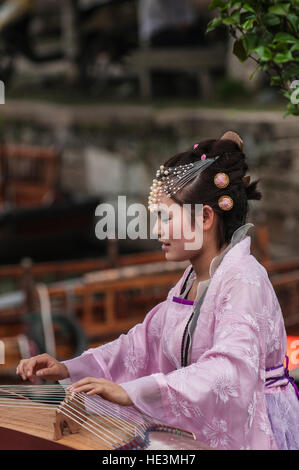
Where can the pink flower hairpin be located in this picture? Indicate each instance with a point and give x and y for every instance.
(203, 157)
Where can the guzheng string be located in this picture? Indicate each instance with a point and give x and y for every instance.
(118, 426)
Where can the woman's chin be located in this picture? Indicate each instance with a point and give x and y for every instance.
(172, 256)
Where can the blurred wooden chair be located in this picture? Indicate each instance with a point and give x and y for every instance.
(30, 176)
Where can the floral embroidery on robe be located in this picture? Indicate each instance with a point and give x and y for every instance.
(221, 395)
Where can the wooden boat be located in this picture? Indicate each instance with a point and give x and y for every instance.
(38, 217)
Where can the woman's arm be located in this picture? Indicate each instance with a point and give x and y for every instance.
(129, 357)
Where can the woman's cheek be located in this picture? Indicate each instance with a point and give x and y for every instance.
(177, 250)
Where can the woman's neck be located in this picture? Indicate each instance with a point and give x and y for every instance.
(201, 262)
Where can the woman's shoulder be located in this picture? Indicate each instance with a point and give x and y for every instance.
(246, 270)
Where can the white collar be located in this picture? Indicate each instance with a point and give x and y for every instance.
(238, 235)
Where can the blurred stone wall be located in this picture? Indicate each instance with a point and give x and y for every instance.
(115, 150)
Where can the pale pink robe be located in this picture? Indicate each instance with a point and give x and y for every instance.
(221, 396)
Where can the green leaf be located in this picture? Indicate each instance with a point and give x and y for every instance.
(213, 24)
(250, 42)
(264, 53)
(233, 19)
(290, 72)
(282, 57)
(236, 3)
(294, 20)
(246, 20)
(287, 94)
(293, 109)
(239, 50)
(275, 80)
(254, 72)
(285, 37)
(281, 9)
(270, 20)
(248, 24)
(248, 7)
(217, 4)
(246, 15)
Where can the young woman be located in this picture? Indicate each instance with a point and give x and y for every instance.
(210, 358)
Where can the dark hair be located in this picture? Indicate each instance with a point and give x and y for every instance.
(202, 190)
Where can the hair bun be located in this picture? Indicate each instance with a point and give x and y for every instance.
(231, 135)
(246, 181)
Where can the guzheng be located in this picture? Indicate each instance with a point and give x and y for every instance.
(52, 417)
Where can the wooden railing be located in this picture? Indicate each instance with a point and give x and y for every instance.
(59, 270)
(105, 308)
(109, 301)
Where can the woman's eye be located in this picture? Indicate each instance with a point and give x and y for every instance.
(163, 217)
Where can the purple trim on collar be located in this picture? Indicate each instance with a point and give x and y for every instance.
(273, 368)
(179, 300)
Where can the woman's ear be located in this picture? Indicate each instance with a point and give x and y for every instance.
(231, 135)
(208, 215)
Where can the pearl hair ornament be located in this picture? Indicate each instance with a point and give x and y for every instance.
(171, 179)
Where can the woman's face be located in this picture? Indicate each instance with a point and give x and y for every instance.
(180, 239)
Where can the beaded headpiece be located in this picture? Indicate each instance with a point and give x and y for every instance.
(171, 179)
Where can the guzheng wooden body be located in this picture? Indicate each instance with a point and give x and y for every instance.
(51, 417)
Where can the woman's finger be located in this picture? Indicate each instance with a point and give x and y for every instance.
(93, 391)
(23, 368)
(47, 371)
(20, 368)
(85, 388)
(28, 369)
(85, 381)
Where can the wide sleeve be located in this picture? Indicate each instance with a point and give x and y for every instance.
(216, 396)
(130, 356)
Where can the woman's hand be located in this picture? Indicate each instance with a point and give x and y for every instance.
(43, 366)
(105, 388)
